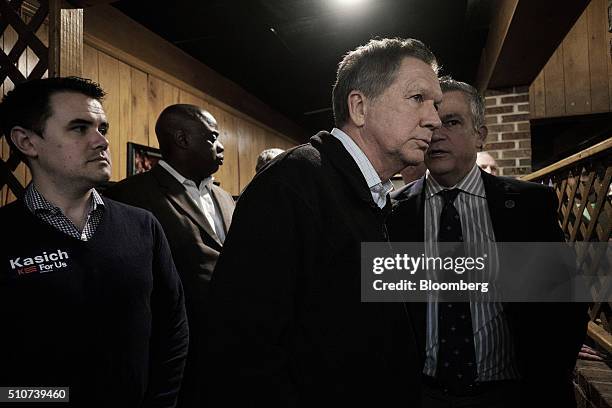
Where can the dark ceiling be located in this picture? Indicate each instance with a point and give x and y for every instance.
(285, 52)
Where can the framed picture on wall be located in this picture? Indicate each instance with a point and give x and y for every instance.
(141, 158)
(610, 17)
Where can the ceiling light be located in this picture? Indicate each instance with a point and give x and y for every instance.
(350, 2)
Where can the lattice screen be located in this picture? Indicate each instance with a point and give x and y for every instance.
(585, 214)
(24, 54)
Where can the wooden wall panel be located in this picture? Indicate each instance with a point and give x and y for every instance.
(274, 141)
(107, 76)
(609, 59)
(135, 97)
(135, 100)
(578, 77)
(71, 42)
(125, 117)
(118, 35)
(282, 143)
(270, 140)
(155, 106)
(90, 63)
(287, 144)
(539, 102)
(598, 65)
(228, 173)
(140, 113)
(554, 85)
(189, 98)
(231, 166)
(248, 151)
(171, 94)
(261, 141)
(576, 69)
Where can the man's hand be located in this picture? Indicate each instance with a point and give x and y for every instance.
(587, 353)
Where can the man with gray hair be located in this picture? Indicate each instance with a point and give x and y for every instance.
(484, 354)
(288, 324)
(485, 161)
(265, 157)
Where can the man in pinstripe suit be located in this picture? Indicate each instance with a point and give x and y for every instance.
(504, 365)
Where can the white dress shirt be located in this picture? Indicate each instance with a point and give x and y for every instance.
(378, 189)
(492, 340)
(201, 196)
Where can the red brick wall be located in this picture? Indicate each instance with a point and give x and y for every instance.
(509, 139)
(593, 384)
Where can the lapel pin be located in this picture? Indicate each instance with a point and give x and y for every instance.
(509, 204)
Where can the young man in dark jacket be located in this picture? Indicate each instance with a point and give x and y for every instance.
(89, 296)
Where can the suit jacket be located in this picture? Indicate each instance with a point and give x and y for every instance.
(288, 324)
(195, 249)
(546, 336)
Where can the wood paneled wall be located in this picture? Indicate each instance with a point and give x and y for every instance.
(116, 34)
(135, 99)
(578, 77)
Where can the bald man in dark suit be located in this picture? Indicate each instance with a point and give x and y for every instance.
(195, 215)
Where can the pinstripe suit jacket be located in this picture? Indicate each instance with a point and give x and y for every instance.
(560, 326)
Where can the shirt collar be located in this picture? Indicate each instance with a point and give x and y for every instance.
(359, 156)
(96, 200)
(378, 189)
(206, 183)
(471, 184)
(35, 201)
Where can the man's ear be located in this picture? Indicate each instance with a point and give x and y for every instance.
(356, 107)
(482, 132)
(181, 139)
(22, 140)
